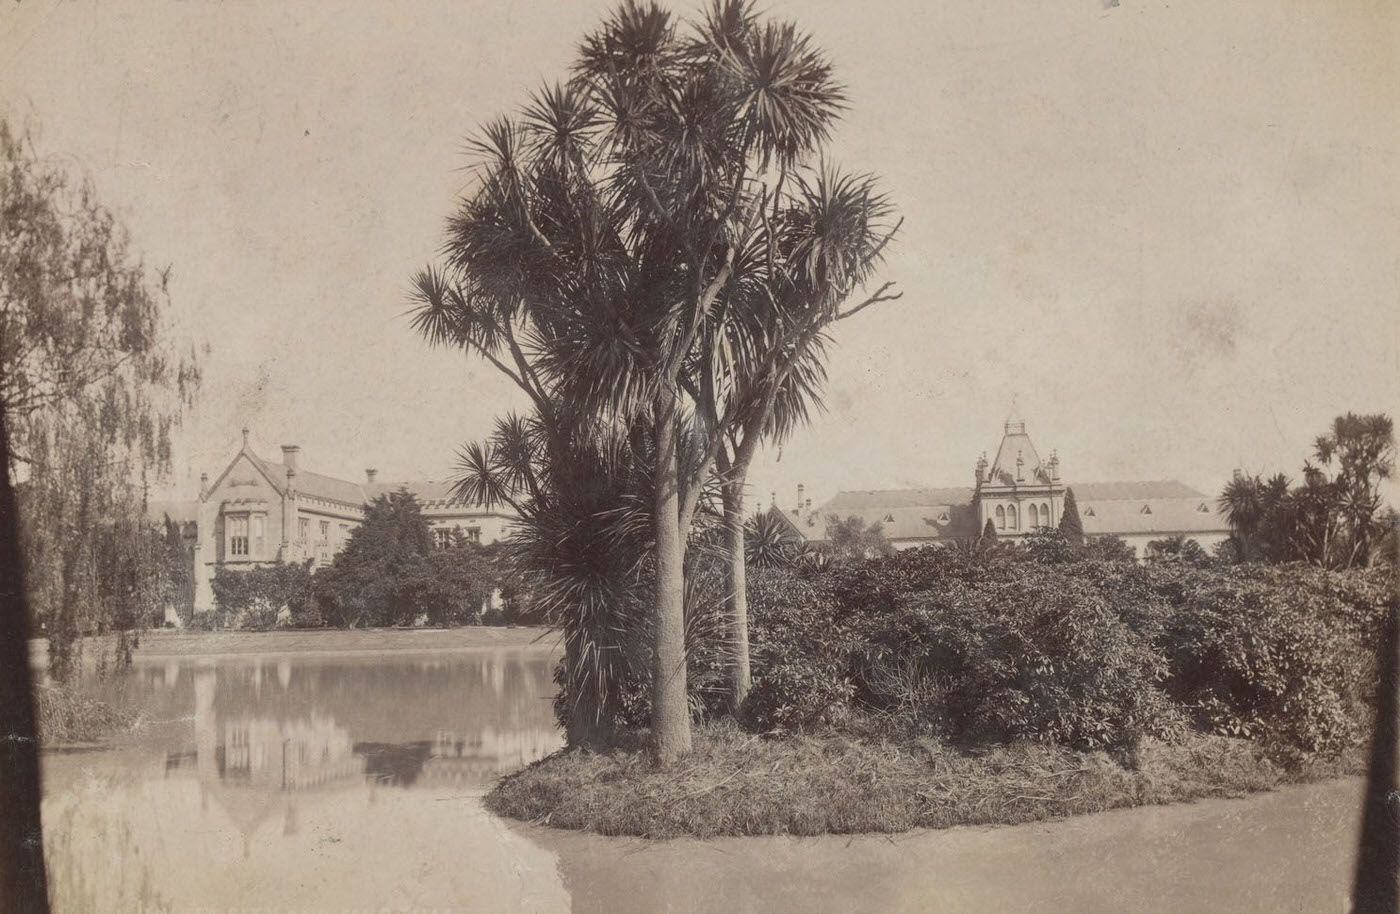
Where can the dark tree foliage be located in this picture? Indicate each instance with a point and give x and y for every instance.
(1107, 549)
(852, 540)
(1333, 517)
(367, 584)
(989, 532)
(1178, 548)
(93, 386)
(392, 573)
(1070, 523)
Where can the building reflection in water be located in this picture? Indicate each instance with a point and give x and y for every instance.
(246, 743)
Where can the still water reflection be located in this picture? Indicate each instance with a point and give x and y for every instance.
(354, 783)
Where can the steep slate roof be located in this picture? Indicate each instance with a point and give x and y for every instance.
(1013, 444)
(316, 485)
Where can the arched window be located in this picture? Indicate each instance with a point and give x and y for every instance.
(1001, 518)
(1036, 520)
(1045, 515)
(1011, 517)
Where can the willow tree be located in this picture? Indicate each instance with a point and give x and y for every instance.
(628, 227)
(92, 385)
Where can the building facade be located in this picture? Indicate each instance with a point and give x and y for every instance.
(1019, 493)
(259, 511)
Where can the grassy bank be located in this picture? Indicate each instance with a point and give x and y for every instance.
(66, 715)
(736, 783)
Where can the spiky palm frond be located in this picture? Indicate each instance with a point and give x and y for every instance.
(769, 542)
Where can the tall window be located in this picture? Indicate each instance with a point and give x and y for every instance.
(444, 537)
(259, 533)
(473, 534)
(1001, 518)
(325, 531)
(303, 529)
(1035, 516)
(1011, 521)
(237, 535)
(1045, 515)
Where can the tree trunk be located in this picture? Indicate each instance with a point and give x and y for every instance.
(737, 599)
(588, 719)
(670, 708)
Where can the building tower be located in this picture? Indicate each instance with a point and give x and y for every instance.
(1018, 491)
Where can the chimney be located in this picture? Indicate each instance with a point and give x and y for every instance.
(369, 475)
(289, 457)
(245, 437)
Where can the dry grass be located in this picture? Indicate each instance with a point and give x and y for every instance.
(740, 784)
(66, 715)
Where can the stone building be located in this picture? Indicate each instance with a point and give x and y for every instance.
(1020, 493)
(258, 511)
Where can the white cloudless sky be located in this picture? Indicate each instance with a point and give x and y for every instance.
(1166, 233)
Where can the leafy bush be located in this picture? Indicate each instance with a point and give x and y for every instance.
(1050, 645)
(253, 598)
(801, 651)
(1047, 657)
(1281, 654)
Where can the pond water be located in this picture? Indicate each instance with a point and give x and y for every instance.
(353, 783)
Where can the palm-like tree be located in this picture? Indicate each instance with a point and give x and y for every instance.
(631, 254)
(770, 542)
(1257, 511)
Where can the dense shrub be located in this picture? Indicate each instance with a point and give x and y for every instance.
(1281, 654)
(1047, 657)
(254, 598)
(1056, 645)
(801, 651)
